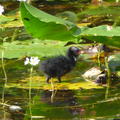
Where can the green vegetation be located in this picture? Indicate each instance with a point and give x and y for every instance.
(31, 32)
(45, 26)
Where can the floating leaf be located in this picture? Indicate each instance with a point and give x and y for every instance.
(18, 49)
(4, 19)
(38, 82)
(103, 35)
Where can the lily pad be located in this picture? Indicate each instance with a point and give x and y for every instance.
(38, 82)
(103, 35)
(38, 48)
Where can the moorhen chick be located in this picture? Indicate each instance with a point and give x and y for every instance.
(60, 65)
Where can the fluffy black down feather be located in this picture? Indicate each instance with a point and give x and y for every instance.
(59, 65)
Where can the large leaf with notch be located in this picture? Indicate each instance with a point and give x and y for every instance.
(45, 26)
(103, 34)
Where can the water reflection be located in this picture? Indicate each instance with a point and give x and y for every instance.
(68, 104)
(81, 104)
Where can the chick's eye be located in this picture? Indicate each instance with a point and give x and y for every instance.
(77, 51)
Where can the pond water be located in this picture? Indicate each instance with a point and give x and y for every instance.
(59, 104)
(26, 96)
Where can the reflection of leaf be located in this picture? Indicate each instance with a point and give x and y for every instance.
(41, 107)
(46, 26)
(102, 35)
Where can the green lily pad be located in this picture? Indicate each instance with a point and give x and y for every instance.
(103, 34)
(18, 49)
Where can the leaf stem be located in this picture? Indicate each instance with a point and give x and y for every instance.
(30, 97)
(5, 82)
(98, 58)
(108, 77)
(53, 92)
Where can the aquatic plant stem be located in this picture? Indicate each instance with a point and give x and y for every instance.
(15, 33)
(30, 97)
(52, 96)
(108, 78)
(5, 82)
(98, 58)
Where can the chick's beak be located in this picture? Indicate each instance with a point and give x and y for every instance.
(81, 52)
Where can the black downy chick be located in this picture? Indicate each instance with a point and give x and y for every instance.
(60, 65)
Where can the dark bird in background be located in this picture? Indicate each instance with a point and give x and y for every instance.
(60, 65)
